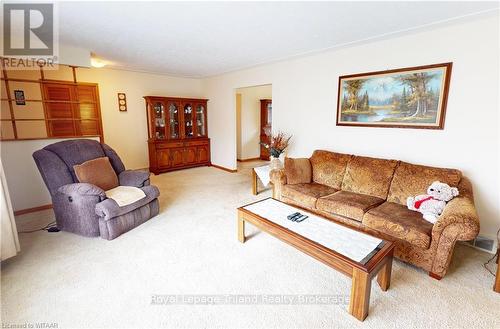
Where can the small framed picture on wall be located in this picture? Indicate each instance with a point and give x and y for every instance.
(19, 96)
(122, 102)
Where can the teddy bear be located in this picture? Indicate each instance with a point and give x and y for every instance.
(432, 204)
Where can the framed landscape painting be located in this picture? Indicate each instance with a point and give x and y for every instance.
(413, 97)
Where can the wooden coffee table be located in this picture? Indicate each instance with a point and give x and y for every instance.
(347, 250)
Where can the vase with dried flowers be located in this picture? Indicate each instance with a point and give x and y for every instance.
(277, 145)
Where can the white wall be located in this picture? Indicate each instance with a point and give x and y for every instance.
(304, 104)
(126, 132)
(249, 136)
(26, 187)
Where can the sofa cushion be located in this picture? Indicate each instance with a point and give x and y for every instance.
(369, 176)
(306, 194)
(398, 221)
(98, 172)
(328, 168)
(412, 180)
(298, 171)
(348, 204)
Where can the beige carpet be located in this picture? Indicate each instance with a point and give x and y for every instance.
(191, 249)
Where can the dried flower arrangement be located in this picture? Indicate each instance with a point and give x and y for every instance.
(278, 144)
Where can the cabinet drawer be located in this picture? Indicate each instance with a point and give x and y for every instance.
(167, 145)
(197, 143)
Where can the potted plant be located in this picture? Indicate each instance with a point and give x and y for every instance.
(277, 145)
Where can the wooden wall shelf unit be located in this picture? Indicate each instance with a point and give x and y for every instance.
(55, 105)
(178, 134)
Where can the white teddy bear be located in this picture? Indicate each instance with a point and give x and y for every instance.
(432, 204)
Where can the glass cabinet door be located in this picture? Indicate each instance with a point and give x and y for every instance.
(201, 130)
(173, 116)
(188, 120)
(269, 113)
(159, 120)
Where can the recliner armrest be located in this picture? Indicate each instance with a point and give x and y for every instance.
(82, 189)
(108, 208)
(136, 178)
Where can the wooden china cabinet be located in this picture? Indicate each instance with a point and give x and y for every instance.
(266, 119)
(178, 134)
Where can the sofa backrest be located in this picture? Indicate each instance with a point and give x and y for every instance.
(410, 180)
(392, 180)
(328, 168)
(370, 176)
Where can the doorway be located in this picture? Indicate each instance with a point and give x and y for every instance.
(253, 122)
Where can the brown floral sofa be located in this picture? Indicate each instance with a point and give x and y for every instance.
(370, 194)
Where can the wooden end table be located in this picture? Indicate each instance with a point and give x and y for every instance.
(377, 263)
(255, 178)
(254, 182)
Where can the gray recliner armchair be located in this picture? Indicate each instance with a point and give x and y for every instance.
(83, 208)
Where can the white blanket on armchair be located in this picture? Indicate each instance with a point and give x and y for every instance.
(125, 195)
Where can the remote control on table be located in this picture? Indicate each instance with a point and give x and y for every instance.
(301, 218)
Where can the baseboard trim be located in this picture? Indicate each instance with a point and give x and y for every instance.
(224, 168)
(249, 159)
(34, 209)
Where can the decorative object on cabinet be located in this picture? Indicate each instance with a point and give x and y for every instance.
(178, 135)
(122, 102)
(413, 97)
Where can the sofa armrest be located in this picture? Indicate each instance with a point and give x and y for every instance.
(82, 189)
(278, 178)
(136, 178)
(460, 215)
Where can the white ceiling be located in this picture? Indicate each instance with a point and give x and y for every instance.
(200, 39)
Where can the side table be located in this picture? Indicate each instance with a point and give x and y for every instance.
(261, 173)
